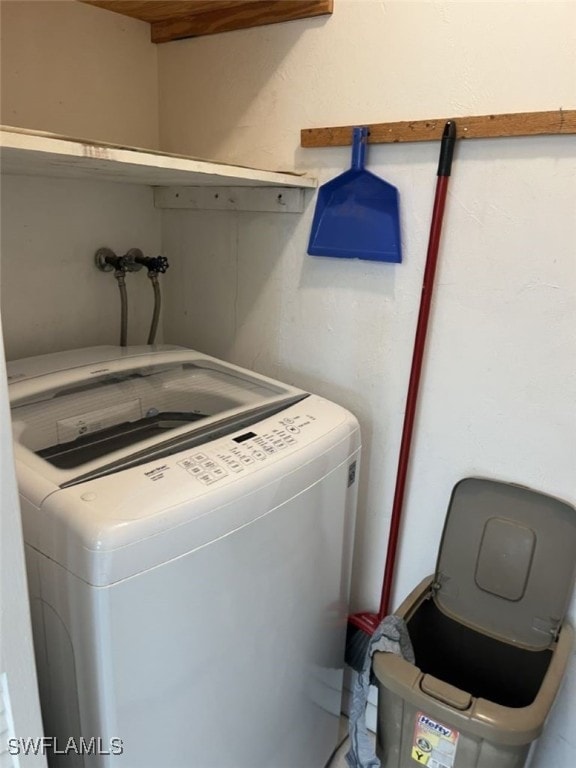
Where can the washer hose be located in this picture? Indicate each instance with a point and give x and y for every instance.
(157, 304)
(120, 276)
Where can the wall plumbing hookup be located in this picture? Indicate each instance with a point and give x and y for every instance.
(106, 261)
(132, 261)
(154, 264)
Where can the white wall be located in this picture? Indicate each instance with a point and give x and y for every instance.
(69, 69)
(16, 654)
(52, 295)
(244, 96)
(80, 71)
(499, 388)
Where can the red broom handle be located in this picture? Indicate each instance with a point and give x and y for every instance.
(444, 167)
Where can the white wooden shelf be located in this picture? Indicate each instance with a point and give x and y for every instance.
(33, 153)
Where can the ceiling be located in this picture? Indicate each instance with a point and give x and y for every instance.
(177, 19)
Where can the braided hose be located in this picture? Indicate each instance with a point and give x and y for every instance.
(157, 304)
(120, 277)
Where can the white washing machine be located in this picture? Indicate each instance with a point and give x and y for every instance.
(188, 529)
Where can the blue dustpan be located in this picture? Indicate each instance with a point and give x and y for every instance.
(357, 214)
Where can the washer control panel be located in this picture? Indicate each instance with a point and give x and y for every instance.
(234, 455)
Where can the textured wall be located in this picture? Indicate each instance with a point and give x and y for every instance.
(244, 96)
(80, 71)
(499, 389)
(52, 295)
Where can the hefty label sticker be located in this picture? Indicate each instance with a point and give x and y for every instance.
(434, 744)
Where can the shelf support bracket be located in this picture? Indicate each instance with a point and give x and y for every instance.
(211, 198)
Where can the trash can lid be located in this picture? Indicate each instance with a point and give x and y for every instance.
(507, 561)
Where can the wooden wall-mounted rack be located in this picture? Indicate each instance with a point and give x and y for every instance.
(561, 121)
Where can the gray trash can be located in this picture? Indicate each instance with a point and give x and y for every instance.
(488, 631)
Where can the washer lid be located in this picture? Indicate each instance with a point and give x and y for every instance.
(507, 561)
(99, 416)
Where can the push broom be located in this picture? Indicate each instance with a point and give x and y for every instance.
(361, 626)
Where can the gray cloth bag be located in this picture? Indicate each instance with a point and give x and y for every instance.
(391, 636)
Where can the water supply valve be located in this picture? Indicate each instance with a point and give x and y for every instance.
(154, 264)
(107, 261)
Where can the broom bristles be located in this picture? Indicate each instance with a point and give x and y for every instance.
(357, 644)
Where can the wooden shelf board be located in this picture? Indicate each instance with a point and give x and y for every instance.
(561, 121)
(192, 18)
(25, 152)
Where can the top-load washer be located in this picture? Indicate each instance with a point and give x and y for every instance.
(188, 529)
